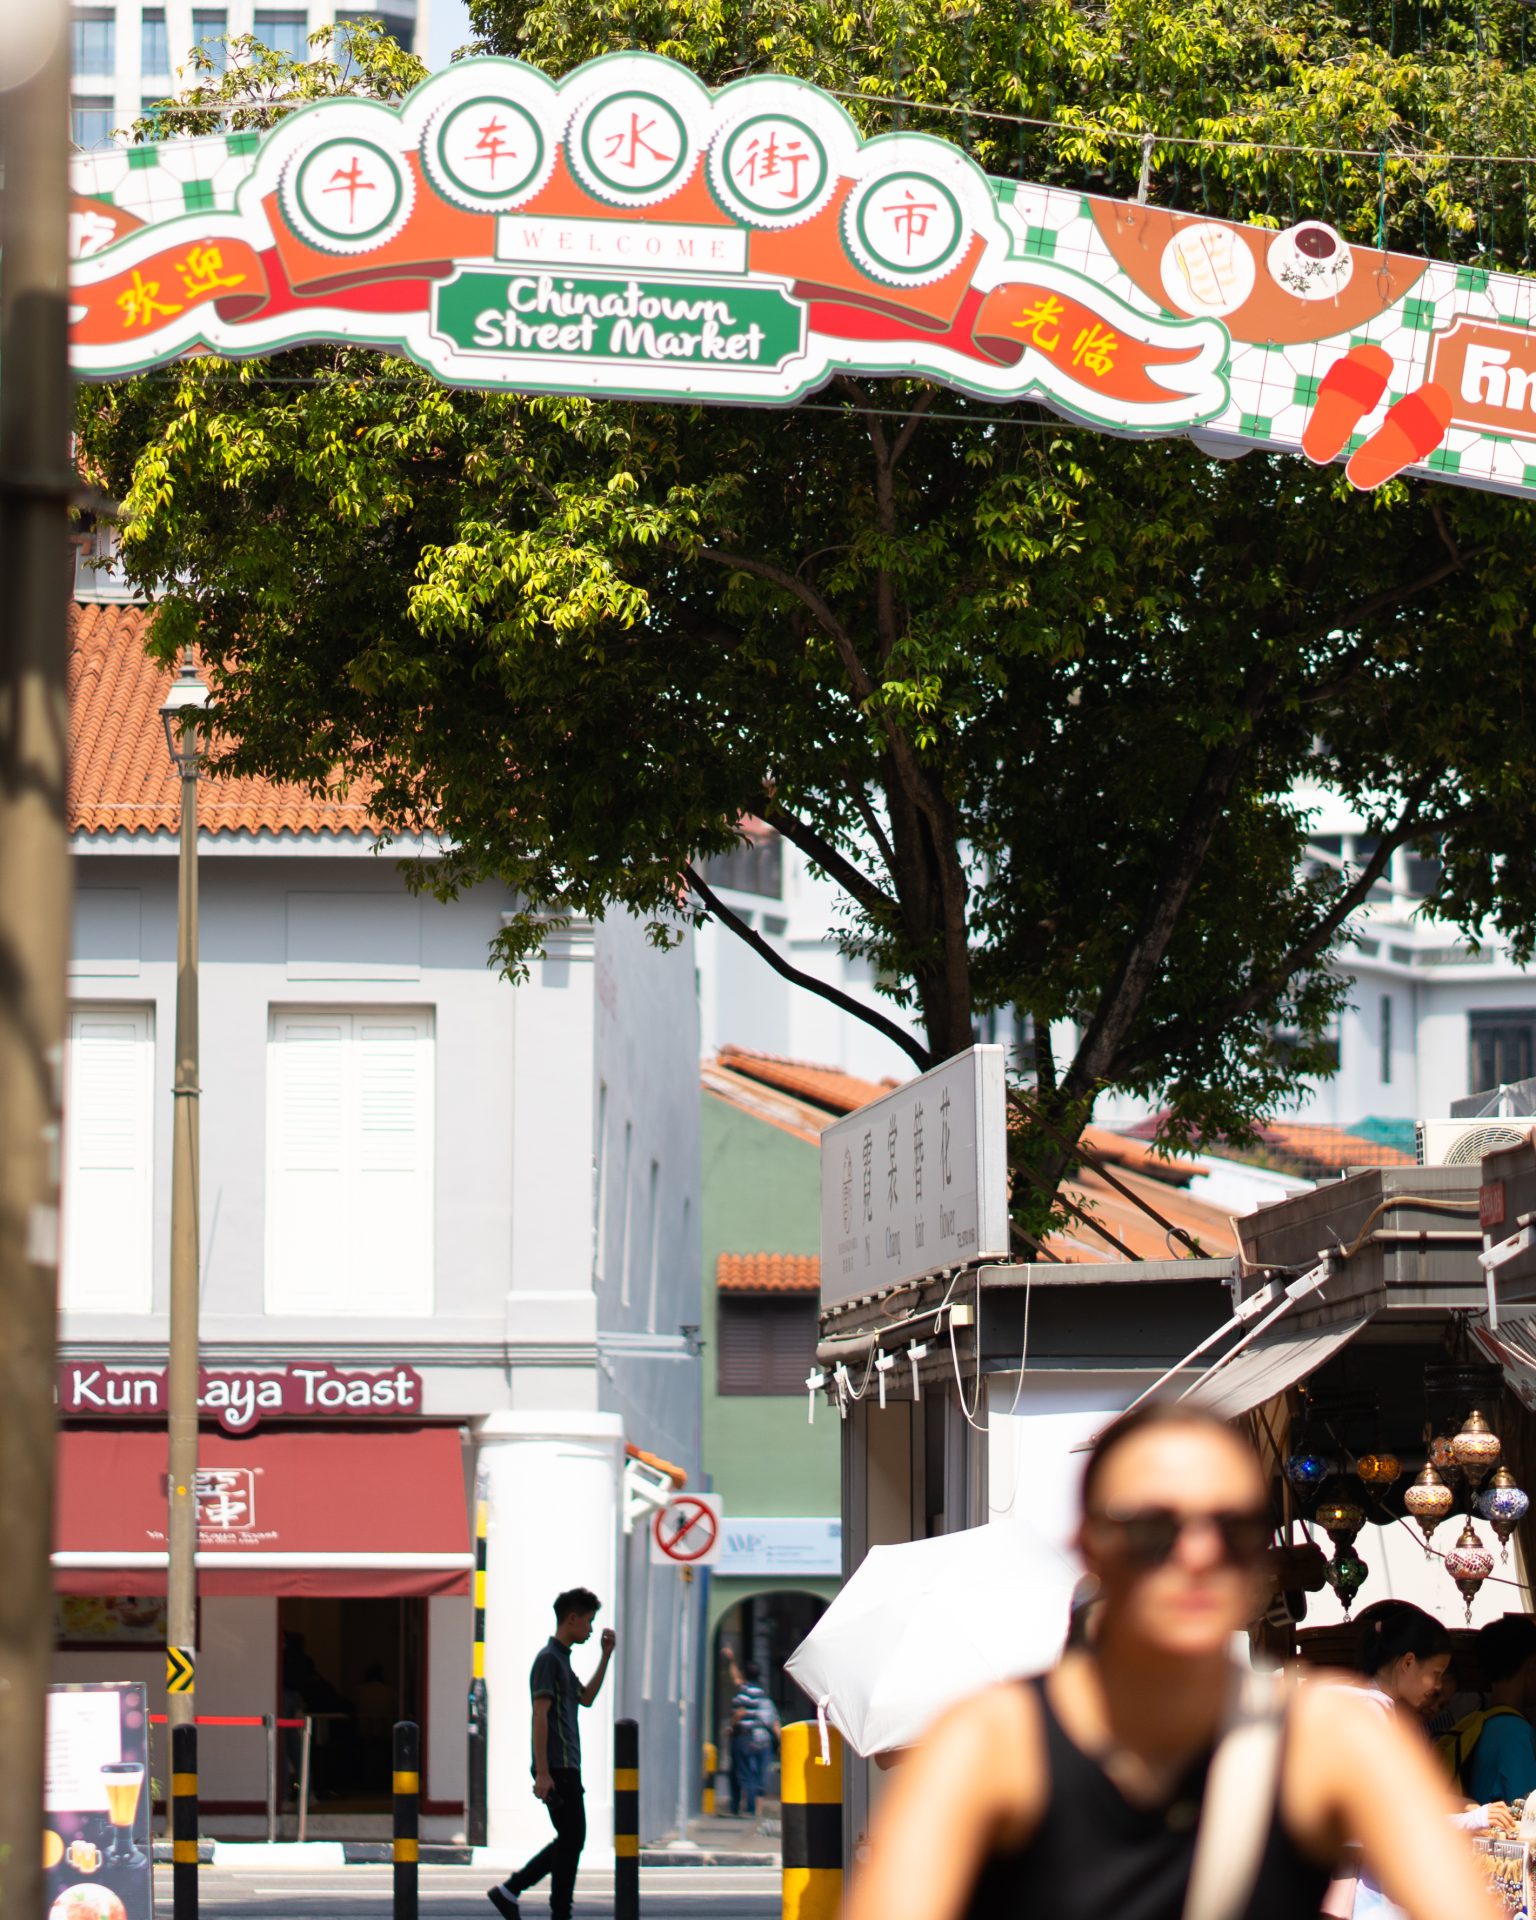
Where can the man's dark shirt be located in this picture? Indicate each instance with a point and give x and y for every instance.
(553, 1680)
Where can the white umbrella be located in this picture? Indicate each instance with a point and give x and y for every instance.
(922, 1624)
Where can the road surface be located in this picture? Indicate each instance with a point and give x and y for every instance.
(458, 1893)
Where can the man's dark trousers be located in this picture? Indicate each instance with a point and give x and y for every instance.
(567, 1808)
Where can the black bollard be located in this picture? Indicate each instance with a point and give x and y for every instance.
(184, 1823)
(626, 1820)
(407, 1817)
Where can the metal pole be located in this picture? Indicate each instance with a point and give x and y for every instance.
(184, 1822)
(626, 1819)
(477, 1817)
(181, 1528)
(36, 481)
(308, 1737)
(269, 1727)
(684, 1678)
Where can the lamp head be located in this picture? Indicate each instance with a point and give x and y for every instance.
(183, 703)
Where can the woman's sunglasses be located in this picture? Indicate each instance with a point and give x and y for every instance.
(1149, 1536)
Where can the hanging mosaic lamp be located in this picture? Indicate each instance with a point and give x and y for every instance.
(1346, 1574)
(1503, 1505)
(1469, 1564)
(1307, 1468)
(1442, 1456)
(1379, 1470)
(1477, 1449)
(1341, 1519)
(1429, 1500)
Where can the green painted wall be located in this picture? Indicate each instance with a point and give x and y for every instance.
(761, 1194)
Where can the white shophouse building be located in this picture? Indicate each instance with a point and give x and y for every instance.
(449, 1236)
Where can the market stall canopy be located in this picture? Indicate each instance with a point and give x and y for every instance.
(371, 1515)
(1269, 1366)
(922, 1624)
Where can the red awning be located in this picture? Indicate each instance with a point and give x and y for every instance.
(286, 1512)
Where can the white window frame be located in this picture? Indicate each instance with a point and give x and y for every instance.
(296, 1291)
(133, 1265)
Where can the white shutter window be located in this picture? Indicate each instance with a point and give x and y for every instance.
(108, 1200)
(350, 1163)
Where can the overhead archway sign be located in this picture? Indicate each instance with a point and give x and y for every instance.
(626, 232)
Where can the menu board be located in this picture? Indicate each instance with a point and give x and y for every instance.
(96, 1801)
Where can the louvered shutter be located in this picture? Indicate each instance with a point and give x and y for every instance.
(107, 1201)
(350, 1171)
(766, 1344)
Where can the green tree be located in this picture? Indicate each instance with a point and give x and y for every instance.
(1035, 699)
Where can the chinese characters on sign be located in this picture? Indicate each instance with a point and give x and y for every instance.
(957, 1214)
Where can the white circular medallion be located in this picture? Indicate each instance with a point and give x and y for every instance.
(1311, 261)
(771, 169)
(631, 148)
(905, 227)
(347, 194)
(487, 153)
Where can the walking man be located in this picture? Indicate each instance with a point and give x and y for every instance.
(557, 1754)
(754, 1729)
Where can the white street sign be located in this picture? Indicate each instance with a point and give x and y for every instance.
(917, 1181)
(686, 1532)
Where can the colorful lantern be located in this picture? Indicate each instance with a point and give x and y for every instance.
(1341, 1519)
(1469, 1564)
(1442, 1456)
(1379, 1470)
(1429, 1500)
(1476, 1449)
(1307, 1469)
(1503, 1505)
(1346, 1574)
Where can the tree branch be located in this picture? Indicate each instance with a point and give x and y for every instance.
(874, 900)
(914, 1049)
(1302, 954)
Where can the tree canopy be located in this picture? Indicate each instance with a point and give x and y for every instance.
(1035, 699)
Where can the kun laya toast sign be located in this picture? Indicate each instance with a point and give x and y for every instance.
(628, 233)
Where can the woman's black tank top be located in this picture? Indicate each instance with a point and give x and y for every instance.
(1096, 1856)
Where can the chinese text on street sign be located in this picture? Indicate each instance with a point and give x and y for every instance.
(627, 232)
(917, 1181)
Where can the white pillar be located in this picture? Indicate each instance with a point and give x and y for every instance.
(553, 1482)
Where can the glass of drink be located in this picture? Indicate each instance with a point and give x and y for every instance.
(124, 1782)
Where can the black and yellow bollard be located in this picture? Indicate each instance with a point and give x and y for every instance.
(476, 1816)
(811, 1799)
(184, 1823)
(626, 1820)
(407, 1817)
(711, 1769)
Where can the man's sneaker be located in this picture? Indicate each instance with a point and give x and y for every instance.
(502, 1899)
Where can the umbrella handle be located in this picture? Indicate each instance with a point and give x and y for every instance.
(821, 1728)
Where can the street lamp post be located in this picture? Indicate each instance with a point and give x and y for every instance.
(187, 697)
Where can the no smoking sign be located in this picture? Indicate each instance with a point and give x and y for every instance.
(686, 1532)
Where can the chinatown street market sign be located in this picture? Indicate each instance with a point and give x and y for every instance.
(628, 233)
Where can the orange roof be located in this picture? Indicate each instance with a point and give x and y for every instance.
(768, 1273)
(828, 1087)
(1076, 1241)
(1331, 1149)
(1122, 1151)
(676, 1474)
(791, 1116)
(120, 776)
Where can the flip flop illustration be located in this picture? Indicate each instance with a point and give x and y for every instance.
(1350, 389)
(1413, 428)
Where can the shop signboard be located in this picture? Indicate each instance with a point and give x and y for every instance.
(780, 1548)
(239, 1397)
(917, 1181)
(96, 1801)
(625, 231)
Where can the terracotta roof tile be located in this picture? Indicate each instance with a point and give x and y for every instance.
(1079, 1242)
(768, 1273)
(1305, 1148)
(828, 1087)
(120, 777)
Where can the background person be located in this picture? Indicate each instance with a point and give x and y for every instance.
(754, 1732)
(557, 1694)
(1079, 1794)
(1492, 1752)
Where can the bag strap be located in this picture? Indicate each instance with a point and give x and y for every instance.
(1240, 1794)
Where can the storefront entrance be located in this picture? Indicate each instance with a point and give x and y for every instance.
(355, 1667)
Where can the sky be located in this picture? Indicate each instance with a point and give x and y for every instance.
(447, 27)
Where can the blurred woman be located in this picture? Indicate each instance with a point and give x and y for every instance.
(1078, 1795)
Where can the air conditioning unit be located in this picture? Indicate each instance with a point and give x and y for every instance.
(1462, 1143)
